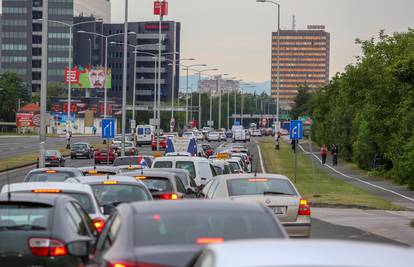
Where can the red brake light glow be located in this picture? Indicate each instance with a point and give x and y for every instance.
(99, 224)
(156, 217)
(169, 196)
(304, 208)
(47, 247)
(209, 240)
(254, 180)
(47, 191)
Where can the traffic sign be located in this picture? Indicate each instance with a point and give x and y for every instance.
(210, 123)
(296, 130)
(108, 128)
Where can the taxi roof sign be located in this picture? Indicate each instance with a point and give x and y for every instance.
(223, 156)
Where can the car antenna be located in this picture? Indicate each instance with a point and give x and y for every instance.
(255, 169)
(8, 185)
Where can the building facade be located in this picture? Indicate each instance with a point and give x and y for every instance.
(22, 37)
(91, 48)
(304, 60)
(218, 85)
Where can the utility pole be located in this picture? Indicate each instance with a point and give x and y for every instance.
(159, 74)
(219, 106)
(124, 82)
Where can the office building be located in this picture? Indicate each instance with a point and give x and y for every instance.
(218, 85)
(146, 36)
(304, 60)
(22, 36)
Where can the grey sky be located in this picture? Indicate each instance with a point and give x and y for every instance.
(234, 35)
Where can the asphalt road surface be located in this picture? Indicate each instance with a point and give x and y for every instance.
(320, 229)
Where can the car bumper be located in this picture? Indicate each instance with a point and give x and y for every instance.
(298, 229)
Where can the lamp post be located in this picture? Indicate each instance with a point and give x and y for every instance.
(199, 93)
(124, 79)
(228, 103)
(70, 26)
(106, 37)
(278, 59)
(219, 92)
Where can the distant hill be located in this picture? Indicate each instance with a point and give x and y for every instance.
(193, 80)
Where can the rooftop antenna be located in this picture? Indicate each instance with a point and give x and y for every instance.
(294, 22)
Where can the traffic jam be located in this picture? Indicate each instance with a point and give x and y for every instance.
(201, 201)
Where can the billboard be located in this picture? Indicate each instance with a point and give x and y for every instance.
(27, 120)
(88, 77)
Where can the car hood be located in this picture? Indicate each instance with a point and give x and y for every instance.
(167, 255)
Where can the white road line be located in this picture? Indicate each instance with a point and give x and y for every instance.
(360, 180)
(261, 159)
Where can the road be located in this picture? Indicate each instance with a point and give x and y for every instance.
(322, 225)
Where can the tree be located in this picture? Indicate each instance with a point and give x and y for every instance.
(12, 88)
(302, 102)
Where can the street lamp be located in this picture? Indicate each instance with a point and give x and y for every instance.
(228, 102)
(278, 58)
(199, 93)
(219, 91)
(106, 37)
(70, 26)
(242, 100)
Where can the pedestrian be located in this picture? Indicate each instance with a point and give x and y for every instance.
(324, 152)
(67, 140)
(278, 141)
(94, 130)
(334, 153)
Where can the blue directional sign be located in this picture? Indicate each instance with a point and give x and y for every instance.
(108, 128)
(296, 130)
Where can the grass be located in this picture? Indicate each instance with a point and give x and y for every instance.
(329, 191)
(30, 158)
(25, 134)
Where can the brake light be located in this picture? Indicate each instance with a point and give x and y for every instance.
(132, 264)
(209, 240)
(140, 177)
(169, 196)
(254, 180)
(110, 182)
(304, 208)
(99, 224)
(47, 191)
(51, 171)
(53, 158)
(47, 247)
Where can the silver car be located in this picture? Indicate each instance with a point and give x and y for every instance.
(276, 192)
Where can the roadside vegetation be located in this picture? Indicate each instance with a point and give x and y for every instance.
(329, 190)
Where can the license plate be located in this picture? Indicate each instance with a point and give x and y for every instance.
(79, 154)
(279, 210)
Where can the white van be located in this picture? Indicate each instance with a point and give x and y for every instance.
(144, 134)
(200, 169)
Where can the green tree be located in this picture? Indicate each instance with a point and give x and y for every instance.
(302, 102)
(12, 88)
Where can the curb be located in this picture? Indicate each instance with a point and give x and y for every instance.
(350, 206)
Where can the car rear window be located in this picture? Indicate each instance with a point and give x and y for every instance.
(58, 176)
(195, 226)
(158, 184)
(234, 165)
(24, 216)
(134, 160)
(163, 164)
(187, 165)
(120, 193)
(79, 146)
(259, 186)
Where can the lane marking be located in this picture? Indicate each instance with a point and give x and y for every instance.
(261, 159)
(357, 179)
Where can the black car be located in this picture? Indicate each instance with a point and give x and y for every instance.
(53, 158)
(51, 174)
(81, 149)
(133, 160)
(170, 233)
(44, 230)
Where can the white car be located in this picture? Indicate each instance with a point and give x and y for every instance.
(188, 135)
(213, 136)
(200, 169)
(199, 135)
(256, 133)
(283, 253)
(274, 191)
(236, 165)
(81, 192)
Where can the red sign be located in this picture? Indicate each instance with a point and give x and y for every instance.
(164, 26)
(73, 75)
(24, 120)
(73, 107)
(161, 8)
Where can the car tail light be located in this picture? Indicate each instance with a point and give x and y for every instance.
(53, 158)
(304, 208)
(169, 196)
(209, 240)
(132, 264)
(99, 224)
(47, 247)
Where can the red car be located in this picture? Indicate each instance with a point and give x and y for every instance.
(101, 155)
(163, 143)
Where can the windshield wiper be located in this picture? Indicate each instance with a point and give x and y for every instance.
(276, 193)
(23, 227)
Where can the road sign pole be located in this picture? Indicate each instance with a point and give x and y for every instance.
(296, 161)
(107, 151)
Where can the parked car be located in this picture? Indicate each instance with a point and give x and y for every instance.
(44, 230)
(274, 191)
(170, 233)
(103, 156)
(163, 143)
(81, 149)
(53, 158)
(51, 174)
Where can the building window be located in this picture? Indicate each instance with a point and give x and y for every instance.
(14, 47)
(14, 59)
(37, 14)
(14, 10)
(36, 51)
(36, 39)
(36, 63)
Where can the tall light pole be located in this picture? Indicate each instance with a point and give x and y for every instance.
(70, 26)
(228, 103)
(278, 59)
(106, 37)
(219, 91)
(124, 79)
(199, 93)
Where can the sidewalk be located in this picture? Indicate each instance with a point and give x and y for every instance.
(398, 194)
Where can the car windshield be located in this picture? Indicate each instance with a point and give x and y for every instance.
(259, 186)
(157, 184)
(24, 216)
(195, 226)
(136, 160)
(119, 193)
(52, 176)
(79, 146)
(186, 165)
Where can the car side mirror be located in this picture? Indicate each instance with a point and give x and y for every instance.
(108, 209)
(79, 248)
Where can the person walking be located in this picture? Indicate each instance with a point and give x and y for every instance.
(94, 130)
(334, 153)
(278, 141)
(68, 140)
(324, 152)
